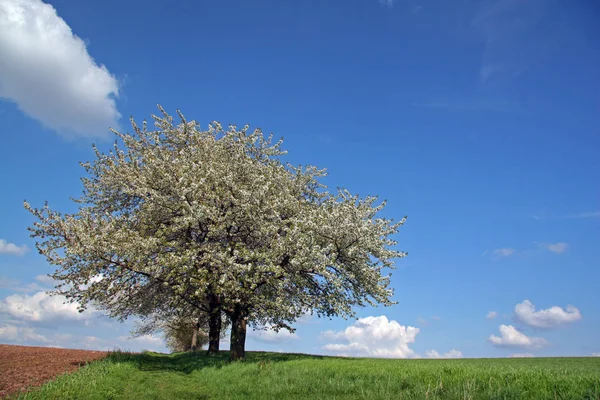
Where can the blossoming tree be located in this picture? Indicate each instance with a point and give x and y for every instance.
(217, 221)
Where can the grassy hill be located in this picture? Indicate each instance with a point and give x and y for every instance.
(296, 376)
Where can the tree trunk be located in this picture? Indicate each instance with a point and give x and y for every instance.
(214, 332)
(214, 325)
(239, 319)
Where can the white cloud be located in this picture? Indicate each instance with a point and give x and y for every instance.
(270, 336)
(7, 283)
(149, 339)
(48, 73)
(432, 354)
(387, 3)
(45, 280)
(549, 318)
(503, 252)
(307, 318)
(596, 354)
(6, 247)
(30, 336)
(41, 307)
(511, 337)
(94, 279)
(373, 337)
(145, 342)
(450, 354)
(491, 315)
(11, 333)
(521, 355)
(91, 342)
(28, 288)
(16, 286)
(557, 248)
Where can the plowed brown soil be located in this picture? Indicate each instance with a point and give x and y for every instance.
(22, 367)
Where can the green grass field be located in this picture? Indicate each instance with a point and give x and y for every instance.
(292, 376)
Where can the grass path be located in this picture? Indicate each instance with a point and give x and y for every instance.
(290, 376)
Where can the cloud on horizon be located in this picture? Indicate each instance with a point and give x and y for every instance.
(372, 337)
(449, 354)
(29, 336)
(511, 337)
(521, 355)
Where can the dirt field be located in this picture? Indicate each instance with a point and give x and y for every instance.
(24, 366)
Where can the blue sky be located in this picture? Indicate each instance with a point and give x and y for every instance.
(479, 120)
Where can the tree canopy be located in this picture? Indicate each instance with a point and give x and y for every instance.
(216, 220)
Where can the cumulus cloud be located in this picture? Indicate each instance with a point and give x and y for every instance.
(550, 318)
(491, 315)
(48, 72)
(270, 336)
(556, 248)
(511, 337)
(372, 337)
(450, 354)
(42, 308)
(521, 355)
(503, 252)
(6, 247)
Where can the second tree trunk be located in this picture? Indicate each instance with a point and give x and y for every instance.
(239, 320)
(214, 325)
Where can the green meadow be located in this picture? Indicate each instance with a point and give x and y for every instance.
(296, 376)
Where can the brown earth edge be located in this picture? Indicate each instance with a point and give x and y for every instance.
(24, 367)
